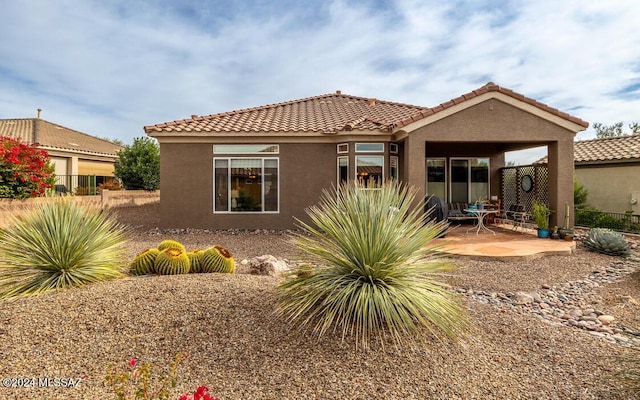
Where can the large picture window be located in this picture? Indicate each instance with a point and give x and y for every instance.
(246, 185)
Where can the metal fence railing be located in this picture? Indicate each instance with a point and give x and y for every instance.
(82, 185)
(593, 218)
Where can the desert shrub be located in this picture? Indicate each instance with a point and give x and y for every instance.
(25, 170)
(595, 218)
(379, 271)
(59, 244)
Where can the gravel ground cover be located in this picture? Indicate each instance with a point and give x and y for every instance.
(241, 351)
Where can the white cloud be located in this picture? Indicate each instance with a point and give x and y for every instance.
(109, 68)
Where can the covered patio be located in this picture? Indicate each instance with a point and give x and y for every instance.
(506, 243)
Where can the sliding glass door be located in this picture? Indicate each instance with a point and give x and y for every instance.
(467, 179)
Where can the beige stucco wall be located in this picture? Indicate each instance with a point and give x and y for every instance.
(489, 129)
(187, 186)
(611, 186)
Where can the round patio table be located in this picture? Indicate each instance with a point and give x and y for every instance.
(480, 214)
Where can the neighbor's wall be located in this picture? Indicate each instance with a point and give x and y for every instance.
(611, 186)
(107, 198)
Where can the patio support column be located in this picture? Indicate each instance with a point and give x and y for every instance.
(415, 165)
(560, 156)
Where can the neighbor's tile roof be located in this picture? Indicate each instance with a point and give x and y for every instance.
(611, 149)
(51, 135)
(331, 113)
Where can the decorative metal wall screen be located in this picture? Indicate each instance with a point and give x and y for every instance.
(513, 191)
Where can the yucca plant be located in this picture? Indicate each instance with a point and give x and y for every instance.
(379, 272)
(59, 244)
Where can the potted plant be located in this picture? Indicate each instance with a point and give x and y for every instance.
(565, 228)
(540, 214)
(554, 233)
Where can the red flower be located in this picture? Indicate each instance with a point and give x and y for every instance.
(132, 362)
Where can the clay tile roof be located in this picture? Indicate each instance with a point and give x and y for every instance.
(331, 113)
(609, 149)
(50, 135)
(492, 87)
(325, 113)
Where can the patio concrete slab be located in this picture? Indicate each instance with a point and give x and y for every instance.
(506, 243)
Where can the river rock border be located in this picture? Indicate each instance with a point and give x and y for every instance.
(567, 304)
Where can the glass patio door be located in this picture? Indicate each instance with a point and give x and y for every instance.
(459, 181)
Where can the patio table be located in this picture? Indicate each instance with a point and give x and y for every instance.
(480, 214)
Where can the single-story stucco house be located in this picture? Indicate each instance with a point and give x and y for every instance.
(73, 153)
(258, 168)
(610, 170)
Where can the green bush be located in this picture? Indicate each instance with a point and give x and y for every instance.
(379, 268)
(56, 245)
(138, 165)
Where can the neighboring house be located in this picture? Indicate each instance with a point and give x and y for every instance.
(261, 167)
(74, 154)
(610, 170)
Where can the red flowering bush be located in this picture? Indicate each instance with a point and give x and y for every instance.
(202, 393)
(25, 170)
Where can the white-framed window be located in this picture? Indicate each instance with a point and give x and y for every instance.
(369, 147)
(343, 169)
(370, 169)
(343, 148)
(393, 148)
(246, 184)
(393, 167)
(246, 148)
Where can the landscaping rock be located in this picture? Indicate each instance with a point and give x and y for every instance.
(267, 265)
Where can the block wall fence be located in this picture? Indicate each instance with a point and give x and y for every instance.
(106, 199)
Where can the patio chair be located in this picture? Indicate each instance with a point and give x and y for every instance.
(517, 215)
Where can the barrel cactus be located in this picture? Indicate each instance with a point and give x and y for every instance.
(305, 271)
(218, 259)
(165, 244)
(606, 241)
(143, 263)
(172, 261)
(195, 257)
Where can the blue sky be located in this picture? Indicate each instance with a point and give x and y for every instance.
(108, 68)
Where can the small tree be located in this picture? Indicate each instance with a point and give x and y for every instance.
(25, 170)
(615, 130)
(579, 194)
(138, 165)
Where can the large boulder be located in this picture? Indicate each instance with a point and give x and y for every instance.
(267, 265)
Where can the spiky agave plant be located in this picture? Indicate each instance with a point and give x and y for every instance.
(380, 268)
(143, 263)
(59, 244)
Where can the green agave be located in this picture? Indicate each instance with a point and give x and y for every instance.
(218, 259)
(379, 272)
(165, 244)
(59, 244)
(172, 261)
(195, 257)
(143, 263)
(606, 241)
